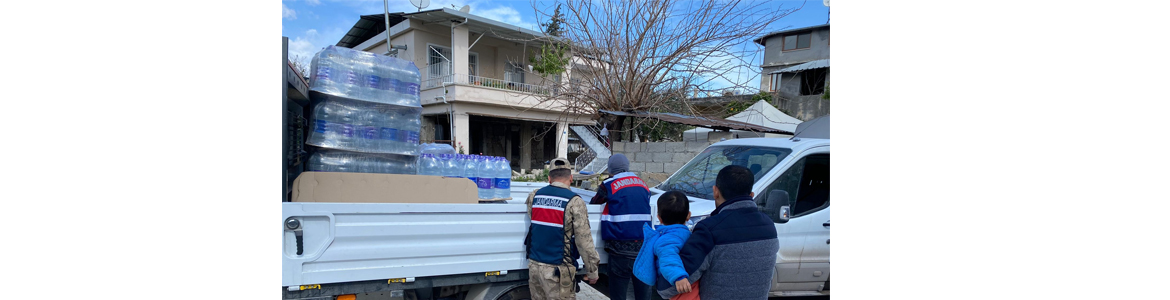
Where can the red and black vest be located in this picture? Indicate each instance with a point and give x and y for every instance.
(627, 208)
(546, 242)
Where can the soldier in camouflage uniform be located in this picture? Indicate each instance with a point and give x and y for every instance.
(558, 234)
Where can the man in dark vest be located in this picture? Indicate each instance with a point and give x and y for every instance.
(627, 209)
(558, 234)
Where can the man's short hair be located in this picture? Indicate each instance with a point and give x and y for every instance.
(560, 174)
(673, 207)
(734, 181)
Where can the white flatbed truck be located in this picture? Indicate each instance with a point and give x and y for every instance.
(476, 251)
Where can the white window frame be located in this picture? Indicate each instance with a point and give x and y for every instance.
(447, 50)
(511, 75)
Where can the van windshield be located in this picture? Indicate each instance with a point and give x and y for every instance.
(697, 177)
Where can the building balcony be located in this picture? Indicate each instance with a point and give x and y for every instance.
(519, 96)
(486, 82)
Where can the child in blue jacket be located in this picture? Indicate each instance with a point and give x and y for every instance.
(658, 263)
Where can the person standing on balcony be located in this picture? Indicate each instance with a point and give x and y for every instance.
(627, 209)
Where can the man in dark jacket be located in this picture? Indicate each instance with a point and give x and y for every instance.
(732, 253)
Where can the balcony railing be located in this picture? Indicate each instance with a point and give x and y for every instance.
(433, 81)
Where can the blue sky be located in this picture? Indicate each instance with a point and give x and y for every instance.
(313, 24)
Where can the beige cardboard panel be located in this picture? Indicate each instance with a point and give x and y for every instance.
(381, 188)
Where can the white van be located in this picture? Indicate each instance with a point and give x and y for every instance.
(792, 187)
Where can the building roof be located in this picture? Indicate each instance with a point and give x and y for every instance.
(369, 26)
(816, 64)
(719, 99)
(764, 39)
(713, 123)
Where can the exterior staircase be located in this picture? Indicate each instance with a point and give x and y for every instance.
(596, 156)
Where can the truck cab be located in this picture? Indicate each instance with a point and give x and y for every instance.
(792, 188)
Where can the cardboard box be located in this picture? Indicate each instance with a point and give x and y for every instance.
(339, 187)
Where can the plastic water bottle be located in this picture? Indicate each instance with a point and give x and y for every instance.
(460, 161)
(374, 79)
(334, 67)
(388, 90)
(330, 161)
(447, 162)
(379, 119)
(503, 184)
(363, 164)
(411, 121)
(317, 163)
(390, 132)
(391, 83)
(469, 168)
(333, 127)
(438, 163)
(484, 178)
(346, 78)
(409, 82)
(427, 165)
(345, 116)
(367, 135)
(326, 71)
(355, 76)
(404, 141)
(320, 134)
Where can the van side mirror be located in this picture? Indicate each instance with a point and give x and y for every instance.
(776, 206)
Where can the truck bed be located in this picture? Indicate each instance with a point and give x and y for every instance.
(347, 242)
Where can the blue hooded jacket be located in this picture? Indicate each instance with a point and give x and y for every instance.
(659, 254)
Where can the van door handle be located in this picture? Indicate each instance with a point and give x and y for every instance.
(826, 224)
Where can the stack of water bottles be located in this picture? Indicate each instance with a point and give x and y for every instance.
(365, 76)
(492, 175)
(328, 160)
(367, 112)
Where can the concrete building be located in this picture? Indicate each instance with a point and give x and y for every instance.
(796, 69)
(476, 74)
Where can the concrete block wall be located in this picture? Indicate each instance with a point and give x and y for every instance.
(654, 162)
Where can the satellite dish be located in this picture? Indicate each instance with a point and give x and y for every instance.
(423, 3)
(826, 2)
(467, 8)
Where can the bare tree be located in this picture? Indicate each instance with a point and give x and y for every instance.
(652, 55)
(300, 63)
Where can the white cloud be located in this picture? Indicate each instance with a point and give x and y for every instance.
(506, 15)
(499, 12)
(288, 13)
(312, 41)
(313, 2)
(301, 48)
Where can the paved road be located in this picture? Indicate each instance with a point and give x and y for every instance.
(600, 291)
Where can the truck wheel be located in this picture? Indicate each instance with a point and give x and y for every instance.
(514, 290)
(517, 293)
